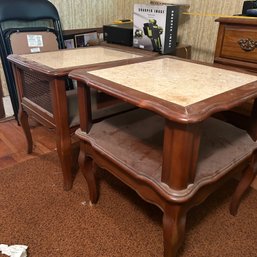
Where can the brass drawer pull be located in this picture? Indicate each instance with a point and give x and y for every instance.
(247, 44)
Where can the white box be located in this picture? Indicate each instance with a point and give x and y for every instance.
(155, 27)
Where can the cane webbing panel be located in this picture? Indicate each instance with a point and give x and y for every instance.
(37, 90)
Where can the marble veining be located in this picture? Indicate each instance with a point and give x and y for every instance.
(176, 81)
(77, 57)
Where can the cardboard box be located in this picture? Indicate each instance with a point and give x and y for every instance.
(26, 42)
(155, 27)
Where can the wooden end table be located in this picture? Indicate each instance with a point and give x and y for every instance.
(41, 85)
(169, 150)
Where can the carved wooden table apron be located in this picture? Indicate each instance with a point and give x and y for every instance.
(156, 149)
(41, 80)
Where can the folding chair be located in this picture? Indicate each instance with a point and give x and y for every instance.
(20, 19)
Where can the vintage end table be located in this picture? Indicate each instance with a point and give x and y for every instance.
(41, 81)
(169, 150)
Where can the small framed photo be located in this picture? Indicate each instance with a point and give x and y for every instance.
(69, 43)
(86, 39)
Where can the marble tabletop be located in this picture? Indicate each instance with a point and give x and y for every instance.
(78, 57)
(180, 82)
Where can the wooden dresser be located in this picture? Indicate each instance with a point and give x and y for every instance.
(237, 47)
(237, 43)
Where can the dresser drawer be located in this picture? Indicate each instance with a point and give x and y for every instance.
(234, 49)
(240, 43)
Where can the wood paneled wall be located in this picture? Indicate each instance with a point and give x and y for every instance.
(201, 31)
(198, 31)
(93, 13)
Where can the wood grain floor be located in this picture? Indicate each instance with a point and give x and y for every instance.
(13, 143)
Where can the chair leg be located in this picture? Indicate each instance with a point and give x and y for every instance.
(88, 168)
(174, 221)
(23, 118)
(244, 184)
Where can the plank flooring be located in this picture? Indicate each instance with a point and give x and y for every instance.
(13, 147)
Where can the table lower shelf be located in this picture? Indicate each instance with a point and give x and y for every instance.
(133, 141)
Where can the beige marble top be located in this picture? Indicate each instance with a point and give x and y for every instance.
(176, 81)
(78, 57)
